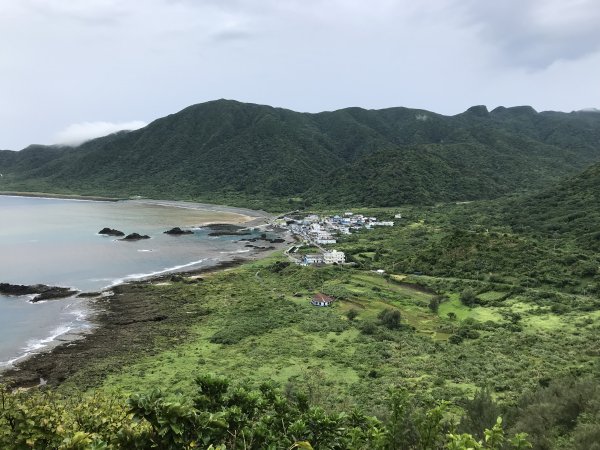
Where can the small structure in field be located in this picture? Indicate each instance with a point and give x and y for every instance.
(322, 300)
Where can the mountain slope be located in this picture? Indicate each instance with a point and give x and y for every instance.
(226, 151)
(571, 208)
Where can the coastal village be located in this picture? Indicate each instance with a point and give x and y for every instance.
(315, 231)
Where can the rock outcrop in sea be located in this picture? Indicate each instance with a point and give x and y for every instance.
(43, 291)
(135, 237)
(176, 231)
(111, 232)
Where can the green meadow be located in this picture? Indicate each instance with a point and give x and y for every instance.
(259, 325)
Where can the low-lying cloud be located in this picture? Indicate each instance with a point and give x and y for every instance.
(78, 133)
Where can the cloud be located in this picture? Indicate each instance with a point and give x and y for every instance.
(536, 33)
(65, 60)
(78, 133)
(99, 12)
(231, 35)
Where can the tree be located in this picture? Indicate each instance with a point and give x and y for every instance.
(434, 303)
(468, 297)
(480, 413)
(352, 314)
(390, 318)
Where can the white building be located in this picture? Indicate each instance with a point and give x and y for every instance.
(334, 257)
(383, 224)
(310, 259)
(325, 241)
(323, 235)
(322, 300)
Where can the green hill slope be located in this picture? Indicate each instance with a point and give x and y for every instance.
(569, 209)
(226, 151)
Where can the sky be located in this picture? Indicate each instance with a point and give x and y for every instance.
(71, 70)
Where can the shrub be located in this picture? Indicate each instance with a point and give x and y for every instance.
(390, 318)
(352, 314)
(468, 297)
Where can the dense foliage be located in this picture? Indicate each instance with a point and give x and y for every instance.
(235, 153)
(221, 416)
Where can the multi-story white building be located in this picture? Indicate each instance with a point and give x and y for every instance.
(334, 257)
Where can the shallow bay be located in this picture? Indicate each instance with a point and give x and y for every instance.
(55, 242)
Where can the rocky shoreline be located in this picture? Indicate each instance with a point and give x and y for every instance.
(125, 322)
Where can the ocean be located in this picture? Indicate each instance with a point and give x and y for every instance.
(56, 242)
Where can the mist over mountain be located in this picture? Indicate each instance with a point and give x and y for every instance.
(256, 155)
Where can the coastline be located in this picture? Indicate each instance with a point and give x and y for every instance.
(249, 217)
(251, 214)
(123, 324)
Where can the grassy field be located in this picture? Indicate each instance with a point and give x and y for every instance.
(258, 324)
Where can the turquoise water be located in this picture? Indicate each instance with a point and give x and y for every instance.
(55, 242)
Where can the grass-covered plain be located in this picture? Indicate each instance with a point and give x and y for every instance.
(257, 324)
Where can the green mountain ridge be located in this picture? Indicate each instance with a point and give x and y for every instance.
(256, 155)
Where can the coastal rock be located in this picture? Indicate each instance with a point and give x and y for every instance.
(178, 231)
(226, 229)
(135, 237)
(53, 293)
(16, 289)
(43, 291)
(229, 233)
(89, 294)
(142, 320)
(111, 232)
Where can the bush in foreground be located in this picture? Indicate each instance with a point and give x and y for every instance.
(222, 416)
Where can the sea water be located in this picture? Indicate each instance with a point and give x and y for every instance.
(56, 242)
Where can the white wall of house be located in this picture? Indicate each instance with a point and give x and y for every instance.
(334, 256)
(383, 224)
(324, 241)
(313, 259)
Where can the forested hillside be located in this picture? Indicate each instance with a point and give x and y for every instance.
(226, 151)
(570, 208)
